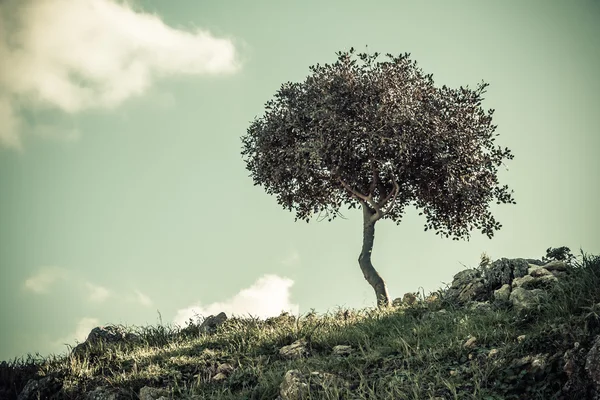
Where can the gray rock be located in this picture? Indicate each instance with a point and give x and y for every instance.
(295, 350)
(502, 294)
(297, 386)
(534, 261)
(503, 271)
(523, 299)
(211, 323)
(42, 388)
(110, 335)
(497, 282)
(592, 363)
(150, 393)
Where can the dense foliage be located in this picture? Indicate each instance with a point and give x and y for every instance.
(379, 133)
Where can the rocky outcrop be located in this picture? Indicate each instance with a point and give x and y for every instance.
(109, 336)
(519, 283)
(522, 283)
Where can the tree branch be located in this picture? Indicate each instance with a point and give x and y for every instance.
(367, 199)
(354, 192)
(396, 191)
(393, 191)
(380, 186)
(378, 213)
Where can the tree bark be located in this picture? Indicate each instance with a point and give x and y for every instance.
(364, 260)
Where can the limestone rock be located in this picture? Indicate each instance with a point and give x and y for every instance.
(297, 386)
(341, 350)
(211, 323)
(503, 271)
(502, 294)
(592, 363)
(518, 281)
(42, 388)
(295, 350)
(110, 335)
(409, 298)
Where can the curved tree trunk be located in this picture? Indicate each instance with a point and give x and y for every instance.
(364, 260)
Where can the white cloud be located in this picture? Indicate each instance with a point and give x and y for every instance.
(267, 297)
(97, 293)
(77, 55)
(143, 299)
(84, 327)
(44, 278)
(82, 330)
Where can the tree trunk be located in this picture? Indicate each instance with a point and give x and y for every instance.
(364, 260)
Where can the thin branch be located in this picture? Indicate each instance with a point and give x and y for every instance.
(380, 187)
(395, 191)
(319, 216)
(378, 213)
(339, 214)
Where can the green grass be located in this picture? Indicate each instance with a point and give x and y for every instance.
(405, 352)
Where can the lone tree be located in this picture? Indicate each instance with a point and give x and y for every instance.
(379, 135)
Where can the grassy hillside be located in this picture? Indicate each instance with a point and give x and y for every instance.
(405, 352)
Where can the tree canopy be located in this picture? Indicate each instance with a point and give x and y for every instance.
(359, 131)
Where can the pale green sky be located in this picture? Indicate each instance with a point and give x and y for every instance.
(122, 188)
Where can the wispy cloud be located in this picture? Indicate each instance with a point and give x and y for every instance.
(267, 297)
(76, 55)
(97, 293)
(292, 259)
(80, 334)
(143, 299)
(44, 279)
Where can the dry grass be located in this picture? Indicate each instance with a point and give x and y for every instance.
(400, 353)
